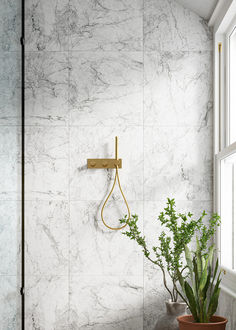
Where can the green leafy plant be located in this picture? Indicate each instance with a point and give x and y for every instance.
(203, 294)
(168, 253)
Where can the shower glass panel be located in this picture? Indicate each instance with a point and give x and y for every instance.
(10, 163)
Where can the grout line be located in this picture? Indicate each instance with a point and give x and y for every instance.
(98, 201)
(69, 214)
(49, 276)
(110, 126)
(143, 168)
(94, 51)
(148, 51)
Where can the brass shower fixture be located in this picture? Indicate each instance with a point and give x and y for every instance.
(115, 163)
(107, 162)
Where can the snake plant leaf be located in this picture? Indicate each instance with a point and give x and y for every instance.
(195, 273)
(214, 275)
(205, 310)
(207, 283)
(214, 298)
(215, 270)
(203, 278)
(213, 304)
(188, 258)
(195, 284)
(191, 300)
(203, 262)
(181, 280)
(199, 259)
(210, 254)
(218, 281)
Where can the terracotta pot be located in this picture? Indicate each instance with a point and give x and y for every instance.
(168, 321)
(186, 322)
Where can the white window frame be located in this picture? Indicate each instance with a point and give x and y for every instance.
(222, 149)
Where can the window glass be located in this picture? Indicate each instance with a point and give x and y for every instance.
(228, 207)
(232, 86)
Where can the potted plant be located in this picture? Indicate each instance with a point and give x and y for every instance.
(168, 253)
(202, 294)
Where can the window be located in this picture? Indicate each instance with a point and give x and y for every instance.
(225, 150)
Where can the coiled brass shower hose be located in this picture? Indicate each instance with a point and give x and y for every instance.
(113, 186)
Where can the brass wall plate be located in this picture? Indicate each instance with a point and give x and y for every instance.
(104, 163)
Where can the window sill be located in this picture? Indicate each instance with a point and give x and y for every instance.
(228, 283)
(230, 292)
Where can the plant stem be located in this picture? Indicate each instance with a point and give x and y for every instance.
(173, 293)
(176, 289)
(164, 280)
(163, 274)
(177, 295)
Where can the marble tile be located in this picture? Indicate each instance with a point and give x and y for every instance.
(10, 238)
(47, 238)
(46, 88)
(10, 25)
(106, 303)
(178, 163)
(168, 26)
(46, 157)
(10, 162)
(46, 303)
(111, 252)
(10, 88)
(46, 25)
(106, 88)
(94, 142)
(178, 89)
(105, 25)
(10, 302)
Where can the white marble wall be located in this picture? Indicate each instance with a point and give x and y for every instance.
(10, 162)
(96, 69)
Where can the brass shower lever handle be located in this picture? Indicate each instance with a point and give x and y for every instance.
(110, 163)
